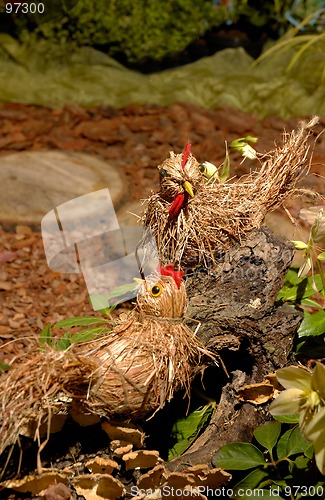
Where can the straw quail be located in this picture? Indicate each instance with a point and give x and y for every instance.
(131, 369)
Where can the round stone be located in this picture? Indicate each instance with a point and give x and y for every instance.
(34, 182)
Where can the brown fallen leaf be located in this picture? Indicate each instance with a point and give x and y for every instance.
(271, 378)
(257, 394)
(5, 285)
(57, 491)
(7, 256)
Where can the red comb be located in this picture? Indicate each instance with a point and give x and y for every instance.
(186, 153)
(170, 271)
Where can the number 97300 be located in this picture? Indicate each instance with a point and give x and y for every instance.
(24, 8)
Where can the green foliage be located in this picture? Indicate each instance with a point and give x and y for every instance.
(262, 12)
(239, 456)
(186, 429)
(118, 294)
(312, 325)
(138, 29)
(297, 290)
(304, 55)
(309, 341)
(281, 461)
(96, 326)
(316, 235)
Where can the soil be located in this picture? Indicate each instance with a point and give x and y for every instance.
(136, 139)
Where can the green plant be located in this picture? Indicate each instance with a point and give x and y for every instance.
(305, 54)
(241, 145)
(261, 12)
(186, 429)
(138, 29)
(95, 326)
(298, 293)
(310, 249)
(280, 465)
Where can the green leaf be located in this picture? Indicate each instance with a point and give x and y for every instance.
(3, 367)
(107, 302)
(64, 342)
(121, 290)
(312, 325)
(282, 445)
(99, 302)
(292, 276)
(238, 456)
(46, 336)
(267, 435)
(309, 452)
(107, 310)
(186, 430)
(299, 245)
(86, 334)
(251, 481)
(80, 321)
(310, 303)
(291, 443)
(225, 170)
(298, 289)
(287, 419)
(301, 462)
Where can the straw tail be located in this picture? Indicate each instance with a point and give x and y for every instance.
(38, 386)
(283, 167)
(126, 374)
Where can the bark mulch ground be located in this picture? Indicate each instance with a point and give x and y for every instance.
(136, 139)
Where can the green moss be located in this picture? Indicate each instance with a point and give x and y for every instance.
(140, 29)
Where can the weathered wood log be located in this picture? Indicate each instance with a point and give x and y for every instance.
(236, 305)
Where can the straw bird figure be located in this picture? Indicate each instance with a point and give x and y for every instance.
(194, 219)
(130, 370)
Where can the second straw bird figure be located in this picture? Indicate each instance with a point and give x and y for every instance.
(130, 370)
(194, 219)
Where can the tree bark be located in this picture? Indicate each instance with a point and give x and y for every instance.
(239, 318)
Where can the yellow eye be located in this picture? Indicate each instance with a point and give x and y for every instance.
(156, 290)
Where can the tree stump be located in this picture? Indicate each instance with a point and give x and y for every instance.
(235, 306)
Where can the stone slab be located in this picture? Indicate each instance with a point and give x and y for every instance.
(33, 183)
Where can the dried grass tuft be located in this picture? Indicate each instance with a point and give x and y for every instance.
(220, 214)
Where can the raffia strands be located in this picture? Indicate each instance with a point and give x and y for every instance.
(220, 214)
(126, 372)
